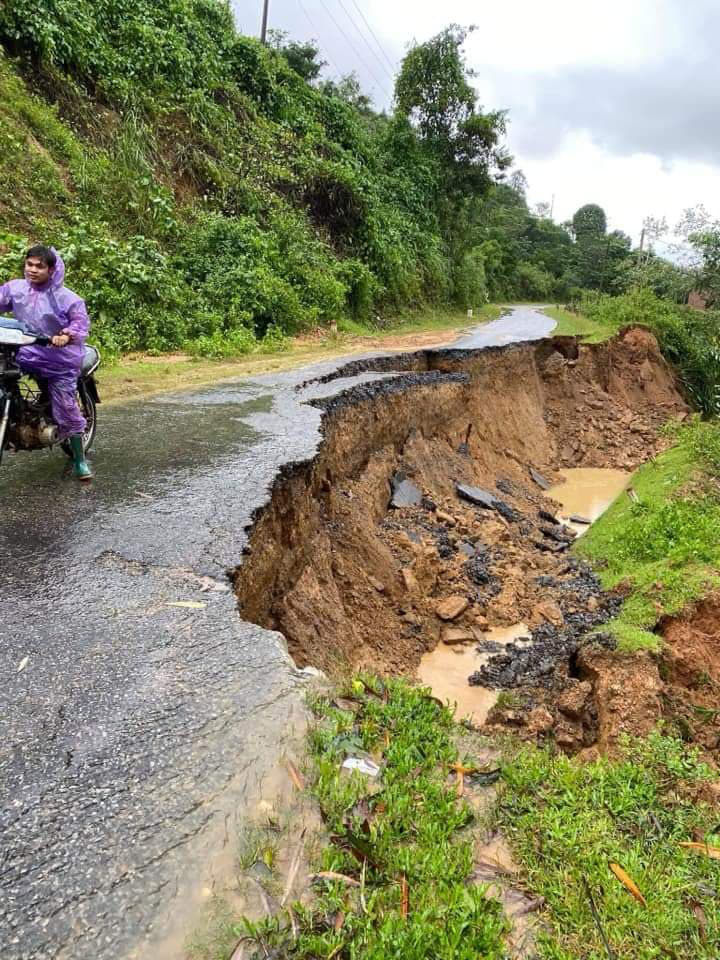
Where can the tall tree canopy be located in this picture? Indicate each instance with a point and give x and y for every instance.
(433, 92)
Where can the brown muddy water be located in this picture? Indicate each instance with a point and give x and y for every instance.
(446, 670)
(585, 491)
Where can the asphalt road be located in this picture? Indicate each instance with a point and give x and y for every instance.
(134, 733)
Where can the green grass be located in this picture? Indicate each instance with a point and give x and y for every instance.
(565, 823)
(665, 546)
(568, 821)
(570, 324)
(410, 828)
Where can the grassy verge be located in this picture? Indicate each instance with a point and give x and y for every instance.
(395, 874)
(571, 324)
(567, 822)
(143, 375)
(664, 545)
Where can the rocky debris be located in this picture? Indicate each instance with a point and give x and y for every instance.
(543, 662)
(539, 721)
(558, 532)
(576, 518)
(487, 501)
(573, 699)
(376, 584)
(445, 518)
(404, 492)
(505, 510)
(453, 635)
(476, 495)
(544, 514)
(539, 479)
(553, 546)
(451, 607)
(567, 735)
(467, 548)
(410, 580)
(478, 571)
(445, 547)
(549, 611)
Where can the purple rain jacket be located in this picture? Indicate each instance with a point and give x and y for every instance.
(49, 309)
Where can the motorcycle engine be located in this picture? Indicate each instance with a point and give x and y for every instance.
(35, 432)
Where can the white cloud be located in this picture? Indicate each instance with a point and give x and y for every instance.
(629, 188)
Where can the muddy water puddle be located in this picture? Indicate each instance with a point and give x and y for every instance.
(587, 492)
(446, 670)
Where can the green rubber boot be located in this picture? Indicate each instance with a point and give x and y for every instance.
(81, 467)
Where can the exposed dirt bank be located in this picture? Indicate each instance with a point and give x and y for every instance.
(690, 669)
(374, 552)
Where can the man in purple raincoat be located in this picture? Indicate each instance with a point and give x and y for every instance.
(41, 304)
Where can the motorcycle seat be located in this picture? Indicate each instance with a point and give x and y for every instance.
(90, 361)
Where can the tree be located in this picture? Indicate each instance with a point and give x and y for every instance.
(589, 221)
(348, 88)
(433, 92)
(303, 58)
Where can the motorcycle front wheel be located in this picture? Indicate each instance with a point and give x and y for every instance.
(89, 411)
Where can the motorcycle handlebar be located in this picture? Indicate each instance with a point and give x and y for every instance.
(42, 341)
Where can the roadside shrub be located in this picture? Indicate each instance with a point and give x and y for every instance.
(223, 345)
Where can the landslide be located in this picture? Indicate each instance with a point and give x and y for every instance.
(354, 579)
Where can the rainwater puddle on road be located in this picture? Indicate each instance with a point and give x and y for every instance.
(446, 670)
(587, 492)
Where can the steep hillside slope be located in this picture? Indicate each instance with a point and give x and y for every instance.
(199, 186)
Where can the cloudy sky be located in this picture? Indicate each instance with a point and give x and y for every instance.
(611, 102)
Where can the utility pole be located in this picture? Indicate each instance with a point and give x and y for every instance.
(552, 206)
(263, 29)
(642, 244)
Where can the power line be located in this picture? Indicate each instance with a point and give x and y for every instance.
(372, 33)
(352, 46)
(365, 41)
(315, 32)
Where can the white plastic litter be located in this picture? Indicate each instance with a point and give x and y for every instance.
(367, 767)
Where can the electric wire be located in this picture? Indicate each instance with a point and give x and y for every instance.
(365, 41)
(374, 36)
(315, 32)
(329, 12)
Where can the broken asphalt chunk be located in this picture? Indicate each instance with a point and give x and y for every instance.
(481, 498)
(540, 480)
(576, 518)
(404, 492)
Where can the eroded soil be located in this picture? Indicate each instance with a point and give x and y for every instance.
(377, 550)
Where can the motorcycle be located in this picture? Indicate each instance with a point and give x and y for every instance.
(26, 421)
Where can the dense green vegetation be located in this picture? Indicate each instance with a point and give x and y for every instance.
(665, 545)
(208, 192)
(201, 189)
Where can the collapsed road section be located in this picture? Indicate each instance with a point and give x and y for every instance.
(424, 518)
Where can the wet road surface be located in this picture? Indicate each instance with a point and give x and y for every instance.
(133, 731)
